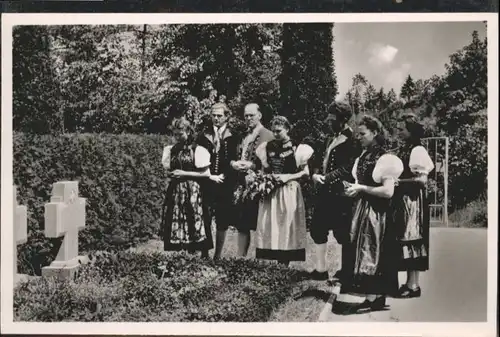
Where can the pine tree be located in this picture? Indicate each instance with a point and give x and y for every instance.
(408, 89)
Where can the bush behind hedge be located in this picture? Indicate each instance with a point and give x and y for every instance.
(139, 287)
(120, 175)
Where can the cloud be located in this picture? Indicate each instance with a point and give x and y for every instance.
(382, 54)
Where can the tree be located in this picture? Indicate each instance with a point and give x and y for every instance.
(307, 83)
(232, 67)
(35, 88)
(391, 97)
(356, 93)
(408, 89)
(459, 102)
(371, 99)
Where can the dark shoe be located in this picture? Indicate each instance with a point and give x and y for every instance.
(378, 304)
(406, 292)
(317, 276)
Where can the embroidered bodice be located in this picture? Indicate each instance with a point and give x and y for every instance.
(281, 157)
(366, 165)
(182, 158)
(185, 157)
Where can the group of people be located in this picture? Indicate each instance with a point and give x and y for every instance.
(372, 198)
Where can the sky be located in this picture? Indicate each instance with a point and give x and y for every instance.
(386, 53)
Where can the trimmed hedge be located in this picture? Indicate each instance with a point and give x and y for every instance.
(120, 175)
(158, 287)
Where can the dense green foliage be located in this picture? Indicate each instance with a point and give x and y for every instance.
(135, 79)
(120, 175)
(158, 287)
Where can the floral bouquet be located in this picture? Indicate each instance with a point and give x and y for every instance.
(260, 186)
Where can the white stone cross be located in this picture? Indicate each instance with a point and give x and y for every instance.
(20, 225)
(64, 217)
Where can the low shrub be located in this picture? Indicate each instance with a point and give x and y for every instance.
(474, 215)
(155, 286)
(120, 175)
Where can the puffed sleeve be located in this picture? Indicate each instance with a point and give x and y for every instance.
(261, 153)
(388, 166)
(201, 157)
(420, 161)
(302, 154)
(165, 158)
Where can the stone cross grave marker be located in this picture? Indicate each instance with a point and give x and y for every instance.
(20, 227)
(65, 217)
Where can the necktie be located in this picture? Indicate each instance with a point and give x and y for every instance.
(217, 138)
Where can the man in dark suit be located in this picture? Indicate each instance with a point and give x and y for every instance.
(246, 165)
(331, 167)
(220, 142)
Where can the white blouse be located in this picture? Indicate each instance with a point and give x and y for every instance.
(420, 161)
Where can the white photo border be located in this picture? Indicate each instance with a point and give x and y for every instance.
(278, 329)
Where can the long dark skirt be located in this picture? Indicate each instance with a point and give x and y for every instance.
(413, 221)
(370, 266)
(186, 219)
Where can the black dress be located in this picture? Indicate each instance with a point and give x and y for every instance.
(411, 210)
(370, 267)
(186, 219)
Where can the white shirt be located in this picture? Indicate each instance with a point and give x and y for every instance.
(220, 131)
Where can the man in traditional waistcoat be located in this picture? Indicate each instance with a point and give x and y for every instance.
(246, 165)
(222, 146)
(333, 166)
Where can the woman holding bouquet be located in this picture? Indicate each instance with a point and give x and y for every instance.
(281, 225)
(186, 217)
(411, 206)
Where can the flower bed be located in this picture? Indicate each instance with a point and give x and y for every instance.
(158, 287)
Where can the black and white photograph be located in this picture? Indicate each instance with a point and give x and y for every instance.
(269, 170)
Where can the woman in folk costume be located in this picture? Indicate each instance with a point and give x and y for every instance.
(411, 208)
(186, 217)
(245, 166)
(281, 225)
(371, 270)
